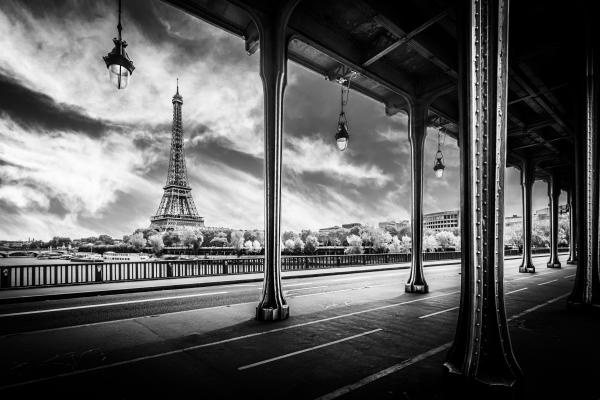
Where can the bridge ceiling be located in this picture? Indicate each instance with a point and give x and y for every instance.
(408, 49)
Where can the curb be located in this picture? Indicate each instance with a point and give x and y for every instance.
(92, 293)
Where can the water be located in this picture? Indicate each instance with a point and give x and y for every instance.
(30, 261)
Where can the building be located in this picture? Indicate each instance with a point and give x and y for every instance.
(442, 221)
(512, 221)
(177, 210)
(543, 214)
(352, 225)
(389, 225)
(330, 229)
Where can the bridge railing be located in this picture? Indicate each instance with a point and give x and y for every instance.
(20, 276)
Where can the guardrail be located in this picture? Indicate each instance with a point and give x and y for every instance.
(20, 276)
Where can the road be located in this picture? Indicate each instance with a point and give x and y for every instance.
(342, 329)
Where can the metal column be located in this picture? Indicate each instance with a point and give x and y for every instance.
(271, 25)
(527, 180)
(481, 355)
(586, 291)
(572, 226)
(553, 196)
(416, 135)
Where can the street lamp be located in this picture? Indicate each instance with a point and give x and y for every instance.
(342, 135)
(120, 67)
(438, 164)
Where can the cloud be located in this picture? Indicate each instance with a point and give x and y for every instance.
(314, 155)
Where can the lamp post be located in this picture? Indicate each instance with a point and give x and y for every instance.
(120, 67)
(342, 136)
(438, 164)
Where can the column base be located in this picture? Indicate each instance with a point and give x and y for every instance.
(529, 268)
(555, 264)
(580, 306)
(412, 288)
(273, 314)
(460, 387)
(572, 261)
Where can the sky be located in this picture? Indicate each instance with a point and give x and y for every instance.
(80, 158)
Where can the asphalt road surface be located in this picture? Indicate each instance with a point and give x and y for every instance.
(348, 336)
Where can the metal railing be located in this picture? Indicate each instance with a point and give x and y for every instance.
(21, 276)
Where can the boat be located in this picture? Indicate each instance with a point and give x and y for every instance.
(111, 256)
(86, 257)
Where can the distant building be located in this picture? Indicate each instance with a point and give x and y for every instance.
(389, 225)
(442, 221)
(513, 221)
(543, 214)
(331, 229)
(351, 225)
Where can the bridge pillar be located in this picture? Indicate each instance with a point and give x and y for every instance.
(271, 24)
(571, 194)
(527, 180)
(553, 196)
(586, 291)
(416, 135)
(481, 361)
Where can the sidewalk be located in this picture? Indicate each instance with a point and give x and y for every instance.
(21, 295)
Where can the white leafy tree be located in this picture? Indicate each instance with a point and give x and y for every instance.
(237, 240)
(445, 239)
(311, 245)
(430, 243)
(354, 245)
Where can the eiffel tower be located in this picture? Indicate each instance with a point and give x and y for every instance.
(177, 210)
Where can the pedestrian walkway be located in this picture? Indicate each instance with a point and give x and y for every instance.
(110, 288)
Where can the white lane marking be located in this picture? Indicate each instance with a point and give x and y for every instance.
(340, 290)
(534, 275)
(547, 282)
(456, 308)
(438, 312)
(113, 321)
(306, 288)
(516, 316)
(407, 363)
(117, 303)
(218, 342)
(378, 375)
(569, 276)
(256, 364)
(515, 291)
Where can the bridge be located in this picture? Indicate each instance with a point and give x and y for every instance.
(516, 85)
(19, 253)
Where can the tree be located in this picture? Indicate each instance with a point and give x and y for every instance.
(405, 231)
(157, 244)
(218, 241)
(355, 245)
(137, 241)
(256, 246)
(106, 239)
(288, 246)
(395, 245)
(248, 246)
(445, 239)
(237, 240)
(430, 243)
(289, 235)
(513, 236)
(311, 244)
(298, 245)
(187, 237)
(171, 238)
